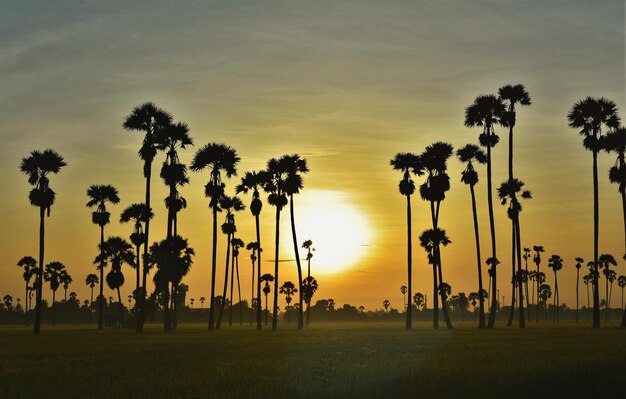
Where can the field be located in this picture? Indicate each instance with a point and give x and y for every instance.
(332, 360)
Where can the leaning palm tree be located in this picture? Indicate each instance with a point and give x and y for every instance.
(116, 251)
(288, 289)
(469, 154)
(267, 279)
(579, 262)
(253, 247)
(408, 163)
(99, 196)
(590, 116)
(556, 263)
(606, 260)
(509, 193)
(485, 112)
(537, 260)
(146, 118)
(52, 274)
(29, 264)
(138, 213)
(220, 160)
(431, 240)
(38, 166)
(295, 167)
(91, 280)
(277, 174)
(255, 181)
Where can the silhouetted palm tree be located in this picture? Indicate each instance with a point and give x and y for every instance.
(403, 290)
(621, 282)
(431, 240)
(469, 154)
(38, 166)
(556, 263)
(202, 299)
(526, 256)
(236, 243)
(545, 293)
(91, 280)
(116, 251)
(255, 181)
(253, 247)
(579, 262)
(606, 260)
(277, 174)
(408, 163)
(615, 141)
(146, 118)
(537, 260)
(99, 195)
(65, 279)
(138, 213)
(267, 278)
(590, 116)
(485, 112)
(288, 289)
(309, 286)
(218, 159)
(52, 274)
(29, 265)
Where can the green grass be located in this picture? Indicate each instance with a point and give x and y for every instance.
(333, 360)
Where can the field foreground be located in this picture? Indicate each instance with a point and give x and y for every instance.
(343, 360)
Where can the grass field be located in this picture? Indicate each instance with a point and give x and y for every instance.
(333, 360)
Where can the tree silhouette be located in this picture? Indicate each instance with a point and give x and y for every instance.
(52, 274)
(138, 213)
(469, 154)
(386, 304)
(485, 112)
(579, 262)
(288, 289)
(255, 181)
(537, 260)
(431, 240)
(606, 260)
(29, 265)
(545, 293)
(408, 163)
(267, 278)
(589, 116)
(38, 166)
(254, 248)
(307, 284)
(621, 282)
(99, 195)
(527, 256)
(218, 159)
(146, 118)
(116, 251)
(65, 279)
(236, 244)
(202, 299)
(556, 263)
(91, 280)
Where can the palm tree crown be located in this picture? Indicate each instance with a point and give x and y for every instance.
(99, 195)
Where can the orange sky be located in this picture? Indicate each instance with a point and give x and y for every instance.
(346, 85)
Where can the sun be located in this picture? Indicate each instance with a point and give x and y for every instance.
(338, 228)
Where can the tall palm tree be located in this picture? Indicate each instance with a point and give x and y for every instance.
(556, 263)
(537, 260)
(254, 248)
(219, 159)
(433, 162)
(431, 240)
(469, 154)
(146, 118)
(309, 286)
(606, 260)
(236, 243)
(230, 205)
(296, 167)
(38, 166)
(485, 112)
(29, 264)
(99, 196)
(508, 192)
(267, 278)
(590, 116)
(288, 289)
(579, 262)
(526, 256)
(52, 274)
(91, 280)
(116, 251)
(138, 213)
(408, 163)
(255, 181)
(277, 174)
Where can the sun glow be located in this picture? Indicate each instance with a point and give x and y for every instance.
(338, 229)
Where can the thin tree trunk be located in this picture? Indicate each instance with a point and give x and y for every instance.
(120, 307)
(258, 279)
(101, 298)
(481, 314)
(606, 297)
(252, 295)
(166, 304)
(266, 310)
(522, 320)
(232, 281)
(538, 284)
(26, 304)
(213, 267)
(556, 289)
(276, 253)
(513, 253)
(596, 231)
(298, 263)
(492, 229)
(54, 292)
(144, 289)
(218, 324)
(577, 284)
(409, 313)
(239, 291)
(39, 282)
(138, 277)
(435, 298)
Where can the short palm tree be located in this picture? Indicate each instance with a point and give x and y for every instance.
(65, 279)
(589, 117)
(117, 252)
(579, 262)
(485, 112)
(527, 256)
(607, 260)
(309, 286)
(255, 181)
(621, 282)
(38, 166)
(288, 289)
(29, 265)
(253, 247)
(91, 280)
(556, 263)
(537, 260)
(236, 244)
(138, 214)
(408, 164)
(386, 304)
(219, 160)
(99, 196)
(146, 118)
(615, 142)
(52, 274)
(469, 154)
(267, 279)
(403, 290)
(306, 291)
(431, 240)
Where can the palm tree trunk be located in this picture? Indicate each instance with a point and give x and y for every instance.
(101, 298)
(444, 295)
(39, 282)
(167, 326)
(266, 309)
(26, 304)
(54, 292)
(213, 268)
(142, 295)
(276, 252)
(252, 296)
(239, 291)
(492, 228)
(225, 290)
(513, 253)
(596, 227)
(232, 280)
(409, 315)
(120, 307)
(538, 284)
(138, 277)
(435, 298)
(481, 314)
(259, 327)
(522, 319)
(577, 284)
(298, 263)
(606, 297)
(556, 289)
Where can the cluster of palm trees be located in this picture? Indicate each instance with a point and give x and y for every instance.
(598, 122)
(172, 257)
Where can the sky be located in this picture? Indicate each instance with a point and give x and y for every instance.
(346, 84)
